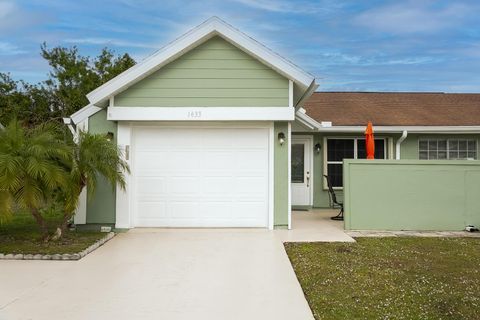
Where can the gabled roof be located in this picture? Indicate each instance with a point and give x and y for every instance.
(208, 29)
(395, 108)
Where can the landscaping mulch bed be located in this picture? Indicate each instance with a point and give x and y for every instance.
(390, 278)
(21, 239)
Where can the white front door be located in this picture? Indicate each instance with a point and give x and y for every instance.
(301, 171)
(201, 176)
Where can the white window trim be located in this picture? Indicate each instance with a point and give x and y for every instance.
(448, 146)
(355, 153)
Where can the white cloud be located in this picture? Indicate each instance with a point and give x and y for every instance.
(336, 58)
(110, 42)
(12, 17)
(413, 16)
(285, 6)
(6, 48)
(6, 9)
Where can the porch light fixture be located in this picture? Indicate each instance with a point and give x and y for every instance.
(109, 136)
(318, 147)
(281, 138)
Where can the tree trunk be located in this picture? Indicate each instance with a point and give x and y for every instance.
(62, 228)
(40, 221)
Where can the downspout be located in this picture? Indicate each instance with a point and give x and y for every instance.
(399, 142)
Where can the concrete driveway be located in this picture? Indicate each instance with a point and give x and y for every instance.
(162, 274)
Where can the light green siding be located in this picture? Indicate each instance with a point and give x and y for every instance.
(280, 177)
(411, 194)
(101, 205)
(409, 147)
(215, 73)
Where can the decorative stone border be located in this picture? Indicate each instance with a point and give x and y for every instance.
(65, 256)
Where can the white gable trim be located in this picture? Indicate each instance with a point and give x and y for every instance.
(201, 113)
(203, 32)
(84, 113)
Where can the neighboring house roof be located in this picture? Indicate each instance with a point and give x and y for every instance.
(304, 82)
(395, 108)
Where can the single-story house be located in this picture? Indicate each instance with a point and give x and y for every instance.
(220, 131)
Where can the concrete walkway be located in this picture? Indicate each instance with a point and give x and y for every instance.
(166, 274)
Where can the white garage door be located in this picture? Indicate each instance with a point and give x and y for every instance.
(200, 177)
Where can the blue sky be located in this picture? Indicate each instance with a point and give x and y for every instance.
(348, 45)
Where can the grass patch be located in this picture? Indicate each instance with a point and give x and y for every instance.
(21, 235)
(390, 278)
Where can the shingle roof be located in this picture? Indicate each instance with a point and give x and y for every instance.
(395, 109)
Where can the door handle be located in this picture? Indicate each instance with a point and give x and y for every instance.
(308, 179)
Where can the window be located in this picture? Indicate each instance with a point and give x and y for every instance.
(443, 149)
(298, 163)
(353, 148)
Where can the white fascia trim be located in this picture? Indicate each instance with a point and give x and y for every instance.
(307, 120)
(310, 90)
(206, 30)
(200, 114)
(400, 129)
(84, 113)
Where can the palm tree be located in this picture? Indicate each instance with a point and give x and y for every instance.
(32, 168)
(93, 155)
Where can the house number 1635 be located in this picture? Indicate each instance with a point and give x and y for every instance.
(194, 114)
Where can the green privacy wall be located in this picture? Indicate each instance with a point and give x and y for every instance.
(280, 177)
(216, 73)
(411, 194)
(101, 206)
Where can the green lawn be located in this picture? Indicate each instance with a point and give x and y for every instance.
(390, 278)
(21, 235)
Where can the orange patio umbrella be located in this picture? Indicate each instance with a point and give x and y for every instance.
(369, 141)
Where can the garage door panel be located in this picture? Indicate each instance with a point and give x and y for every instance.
(217, 160)
(182, 210)
(251, 186)
(201, 177)
(151, 185)
(183, 185)
(215, 210)
(255, 160)
(248, 210)
(217, 185)
(152, 209)
(159, 138)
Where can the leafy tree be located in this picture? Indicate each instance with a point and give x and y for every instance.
(93, 155)
(38, 166)
(27, 102)
(72, 76)
(32, 169)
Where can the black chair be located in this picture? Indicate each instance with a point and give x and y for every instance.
(333, 196)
